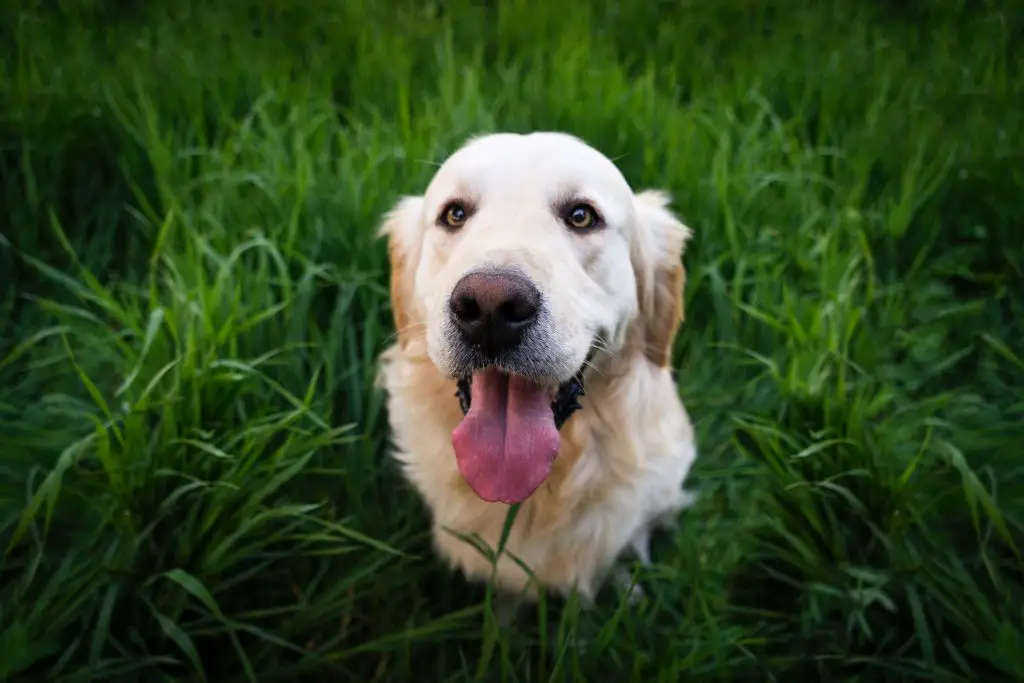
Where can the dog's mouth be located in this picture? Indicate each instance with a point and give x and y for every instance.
(509, 435)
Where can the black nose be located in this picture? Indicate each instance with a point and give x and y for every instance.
(493, 310)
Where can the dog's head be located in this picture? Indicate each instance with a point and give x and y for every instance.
(527, 259)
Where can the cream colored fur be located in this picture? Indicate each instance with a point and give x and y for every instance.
(625, 454)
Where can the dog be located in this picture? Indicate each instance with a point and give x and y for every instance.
(536, 299)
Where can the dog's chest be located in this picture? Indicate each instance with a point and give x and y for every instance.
(567, 536)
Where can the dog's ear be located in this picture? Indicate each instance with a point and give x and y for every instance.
(402, 230)
(660, 276)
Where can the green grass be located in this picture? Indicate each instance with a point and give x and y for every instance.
(194, 481)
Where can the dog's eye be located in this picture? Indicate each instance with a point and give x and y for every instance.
(454, 215)
(581, 217)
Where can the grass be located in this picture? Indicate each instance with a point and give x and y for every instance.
(194, 483)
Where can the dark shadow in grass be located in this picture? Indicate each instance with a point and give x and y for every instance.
(81, 169)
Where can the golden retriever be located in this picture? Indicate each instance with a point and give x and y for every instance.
(536, 299)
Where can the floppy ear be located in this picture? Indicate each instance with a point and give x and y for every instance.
(401, 228)
(660, 276)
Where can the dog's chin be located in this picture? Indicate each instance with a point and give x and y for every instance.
(513, 411)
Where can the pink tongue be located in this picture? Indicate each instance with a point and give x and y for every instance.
(506, 443)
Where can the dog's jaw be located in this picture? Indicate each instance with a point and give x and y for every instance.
(566, 401)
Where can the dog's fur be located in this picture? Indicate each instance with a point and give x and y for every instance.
(623, 456)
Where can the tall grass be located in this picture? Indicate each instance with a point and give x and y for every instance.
(194, 482)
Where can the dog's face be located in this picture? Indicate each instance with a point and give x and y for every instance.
(527, 258)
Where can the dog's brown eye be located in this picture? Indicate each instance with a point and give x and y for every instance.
(454, 215)
(581, 217)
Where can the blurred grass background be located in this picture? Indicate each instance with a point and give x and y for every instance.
(193, 475)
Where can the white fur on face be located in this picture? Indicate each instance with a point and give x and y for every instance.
(518, 188)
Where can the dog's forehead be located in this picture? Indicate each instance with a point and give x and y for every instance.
(524, 165)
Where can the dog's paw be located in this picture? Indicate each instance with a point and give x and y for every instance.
(577, 641)
(634, 592)
(669, 520)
